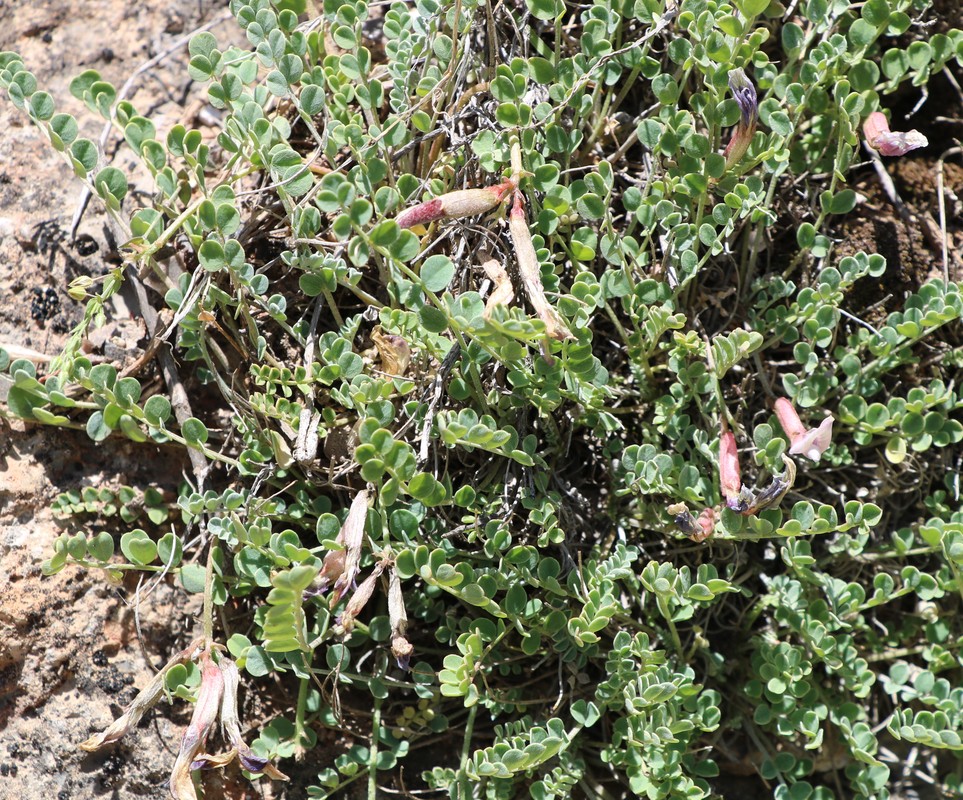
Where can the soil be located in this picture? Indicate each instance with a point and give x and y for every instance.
(73, 647)
(911, 240)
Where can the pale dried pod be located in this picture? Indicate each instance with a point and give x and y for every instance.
(530, 272)
(351, 536)
(504, 291)
(145, 700)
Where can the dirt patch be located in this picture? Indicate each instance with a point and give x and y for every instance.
(74, 649)
(906, 226)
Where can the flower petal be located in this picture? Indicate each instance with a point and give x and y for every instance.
(813, 443)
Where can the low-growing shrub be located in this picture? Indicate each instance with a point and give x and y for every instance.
(497, 302)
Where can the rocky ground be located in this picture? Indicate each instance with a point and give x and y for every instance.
(73, 648)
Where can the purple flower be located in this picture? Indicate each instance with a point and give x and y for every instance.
(745, 95)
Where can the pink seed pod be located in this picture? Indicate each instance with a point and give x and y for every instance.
(455, 205)
(887, 142)
(206, 712)
(730, 474)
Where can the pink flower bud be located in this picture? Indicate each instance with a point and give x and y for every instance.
(887, 142)
(707, 522)
(811, 443)
(789, 419)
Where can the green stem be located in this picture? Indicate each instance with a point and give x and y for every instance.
(464, 784)
(664, 609)
(373, 754)
(299, 730)
(208, 619)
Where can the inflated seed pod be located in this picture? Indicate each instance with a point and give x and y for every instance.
(455, 205)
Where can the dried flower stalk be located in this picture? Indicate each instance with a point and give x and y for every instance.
(401, 648)
(773, 494)
(360, 598)
(530, 273)
(147, 698)
(394, 351)
(504, 292)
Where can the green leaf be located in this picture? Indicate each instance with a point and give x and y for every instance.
(157, 409)
(101, 546)
(193, 579)
(862, 33)
(752, 8)
(97, 428)
(425, 488)
(22, 403)
(138, 547)
(41, 106)
(211, 255)
(170, 548)
(127, 391)
(545, 9)
(85, 157)
(194, 431)
(433, 319)
(82, 83)
(437, 272)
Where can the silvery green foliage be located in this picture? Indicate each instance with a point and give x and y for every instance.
(564, 629)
